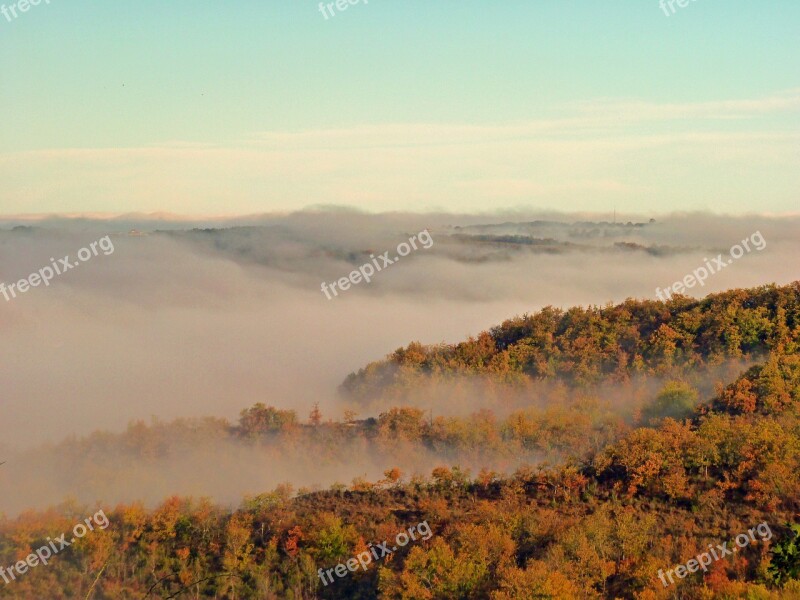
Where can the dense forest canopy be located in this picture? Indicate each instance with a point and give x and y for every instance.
(587, 345)
(592, 502)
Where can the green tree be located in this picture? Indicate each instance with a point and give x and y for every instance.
(675, 400)
(785, 563)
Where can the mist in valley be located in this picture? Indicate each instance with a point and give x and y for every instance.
(195, 319)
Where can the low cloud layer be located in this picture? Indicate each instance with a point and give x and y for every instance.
(182, 323)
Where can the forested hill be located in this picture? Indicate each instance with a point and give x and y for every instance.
(584, 346)
(622, 504)
(602, 528)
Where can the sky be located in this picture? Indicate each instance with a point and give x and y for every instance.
(415, 114)
(213, 108)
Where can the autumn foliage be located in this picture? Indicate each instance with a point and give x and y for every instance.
(606, 499)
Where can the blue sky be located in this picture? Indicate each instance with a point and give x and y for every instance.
(224, 108)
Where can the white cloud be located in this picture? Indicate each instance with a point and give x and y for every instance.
(665, 156)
